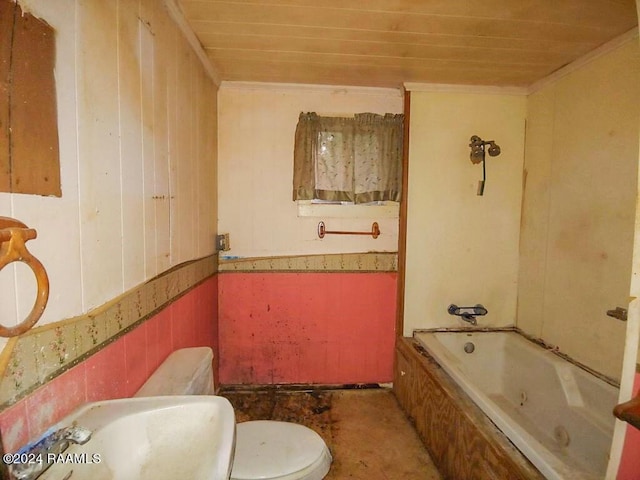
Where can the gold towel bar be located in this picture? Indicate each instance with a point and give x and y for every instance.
(13, 237)
(322, 231)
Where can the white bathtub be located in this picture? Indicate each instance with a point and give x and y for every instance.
(557, 414)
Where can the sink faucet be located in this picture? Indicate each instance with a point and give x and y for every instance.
(42, 454)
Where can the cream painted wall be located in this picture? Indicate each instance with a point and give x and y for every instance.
(257, 124)
(137, 123)
(462, 248)
(579, 208)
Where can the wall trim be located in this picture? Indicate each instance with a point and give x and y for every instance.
(459, 88)
(341, 263)
(584, 60)
(47, 351)
(317, 88)
(175, 12)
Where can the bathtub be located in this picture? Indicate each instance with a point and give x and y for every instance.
(557, 414)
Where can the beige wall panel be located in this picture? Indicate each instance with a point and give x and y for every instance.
(191, 179)
(592, 200)
(98, 149)
(151, 200)
(164, 98)
(181, 213)
(462, 248)
(131, 157)
(206, 190)
(534, 230)
(197, 169)
(255, 170)
(55, 219)
(80, 237)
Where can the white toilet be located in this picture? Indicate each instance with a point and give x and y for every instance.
(265, 449)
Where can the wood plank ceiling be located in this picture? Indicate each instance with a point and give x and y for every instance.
(388, 42)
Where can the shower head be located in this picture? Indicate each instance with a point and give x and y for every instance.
(477, 149)
(494, 150)
(477, 156)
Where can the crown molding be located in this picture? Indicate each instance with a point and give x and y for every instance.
(579, 63)
(175, 12)
(302, 87)
(459, 88)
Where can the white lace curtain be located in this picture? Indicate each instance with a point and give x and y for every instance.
(355, 159)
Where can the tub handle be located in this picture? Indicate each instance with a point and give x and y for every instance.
(13, 238)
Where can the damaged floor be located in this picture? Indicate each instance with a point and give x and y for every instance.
(365, 429)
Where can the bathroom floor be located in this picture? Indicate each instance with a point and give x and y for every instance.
(365, 429)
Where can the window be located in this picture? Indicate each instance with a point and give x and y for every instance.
(356, 160)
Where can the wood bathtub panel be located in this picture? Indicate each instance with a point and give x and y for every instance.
(462, 441)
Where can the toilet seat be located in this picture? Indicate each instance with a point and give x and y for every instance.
(270, 450)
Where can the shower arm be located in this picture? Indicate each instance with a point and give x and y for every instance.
(478, 153)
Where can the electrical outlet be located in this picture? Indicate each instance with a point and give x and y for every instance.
(222, 242)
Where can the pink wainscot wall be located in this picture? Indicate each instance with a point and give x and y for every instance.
(310, 328)
(119, 369)
(630, 462)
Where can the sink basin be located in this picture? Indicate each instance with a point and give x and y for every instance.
(155, 438)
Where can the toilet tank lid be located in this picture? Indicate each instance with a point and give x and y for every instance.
(180, 373)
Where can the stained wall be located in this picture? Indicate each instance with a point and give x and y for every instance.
(135, 227)
(295, 308)
(578, 209)
(462, 248)
(118, 369)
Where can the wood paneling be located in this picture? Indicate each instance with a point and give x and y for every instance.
(99, 151)
(7, 8)
(129, 96)
(380, 53)
(154, 156)
(117, 95)
(570, 12)
(516, 42)
(461, 440)
(29, 156)
(164, 135)
(402, 228)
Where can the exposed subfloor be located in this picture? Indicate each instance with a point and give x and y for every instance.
(368, 434)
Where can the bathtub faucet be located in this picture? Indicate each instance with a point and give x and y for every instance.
(468, 314)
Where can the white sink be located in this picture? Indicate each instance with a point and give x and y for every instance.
(151, 438)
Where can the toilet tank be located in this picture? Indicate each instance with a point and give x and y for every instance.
(187, 371)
